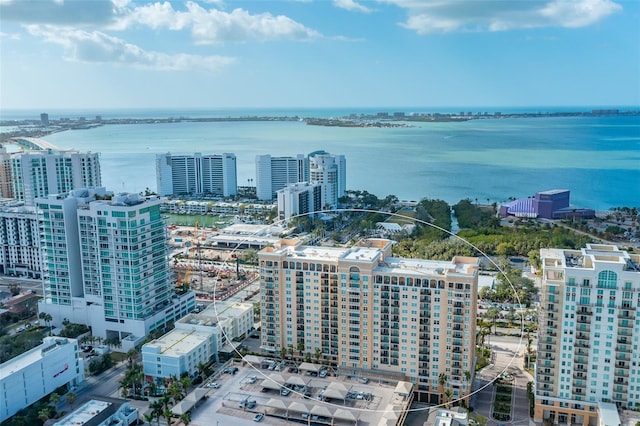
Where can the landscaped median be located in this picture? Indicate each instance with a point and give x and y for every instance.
(502, 402)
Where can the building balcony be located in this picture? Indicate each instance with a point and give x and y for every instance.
(626, 349)
(581, 351)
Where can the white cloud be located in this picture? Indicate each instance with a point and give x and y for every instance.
(441, 16)
(58, 12)
(210, 26)
(579, 14)
(10, 36)
(351, 5)
(97, 47)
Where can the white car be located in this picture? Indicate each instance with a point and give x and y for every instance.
(213, 385)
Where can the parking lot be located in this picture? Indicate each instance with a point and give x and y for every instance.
(290, 397)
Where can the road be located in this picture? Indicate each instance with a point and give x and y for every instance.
(508, 356)
(25, 284)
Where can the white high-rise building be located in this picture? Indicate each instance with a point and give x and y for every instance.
(39, 173)
(210, 174)
(299, 198)
(34, 374)
(330, 171)
(19, 240)
(274, 173)
(105, 259)
(588, 333)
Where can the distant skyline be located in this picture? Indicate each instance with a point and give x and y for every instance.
(71, 54)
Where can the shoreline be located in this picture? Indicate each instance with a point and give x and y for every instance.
(35, 129)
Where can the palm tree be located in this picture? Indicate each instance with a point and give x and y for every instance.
(71, 398)
(166, 399)
(291, 349)
(493, 314)
(54, 399)
(202, 370)
(186, 418)
(156, 410)
(149, 417)
(176, 392)
(167, 414)
(447, 397)
(442, 380)
(283, 352)
(132, 354)
(44, 414)
(47, 319)
(317, 355)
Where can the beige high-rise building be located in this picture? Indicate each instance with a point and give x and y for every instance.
(6, 179)
(588, 333)
(368, 312)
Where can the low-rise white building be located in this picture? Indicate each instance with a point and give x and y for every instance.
(27, 378)
(101, 412)
(196, 339)
(177, 352)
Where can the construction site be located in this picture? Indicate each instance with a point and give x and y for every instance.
(214, 273)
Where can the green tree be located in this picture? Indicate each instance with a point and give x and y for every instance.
(156, 410)
(47, 319)
(167, 414)
(54, 398)
(493, 313)
(186, 418)
(132, 355)
(14, 289)
(447, 397)
(44, 414)
(71, 397)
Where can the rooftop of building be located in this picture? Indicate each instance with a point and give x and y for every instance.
(253, 230)
(92, 412)
(373, 251)
(553, 191)
(608, 414)
(177, 342)
(443, 417)
(32, 356)
(460, 266)
(591, 255)
(95, 411)
(217, 313)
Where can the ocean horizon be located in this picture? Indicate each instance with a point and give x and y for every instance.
(596, 158)
(321, 112)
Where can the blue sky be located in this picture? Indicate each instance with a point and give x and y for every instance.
(318, 53)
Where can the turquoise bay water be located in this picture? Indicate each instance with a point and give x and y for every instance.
(597, 158)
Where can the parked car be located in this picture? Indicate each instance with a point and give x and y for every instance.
(323, 373)
(231, 370)
(213, 385)
(247, 404)
(258, 417)
(285, 391)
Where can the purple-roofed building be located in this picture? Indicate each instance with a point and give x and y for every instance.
(551, 204)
